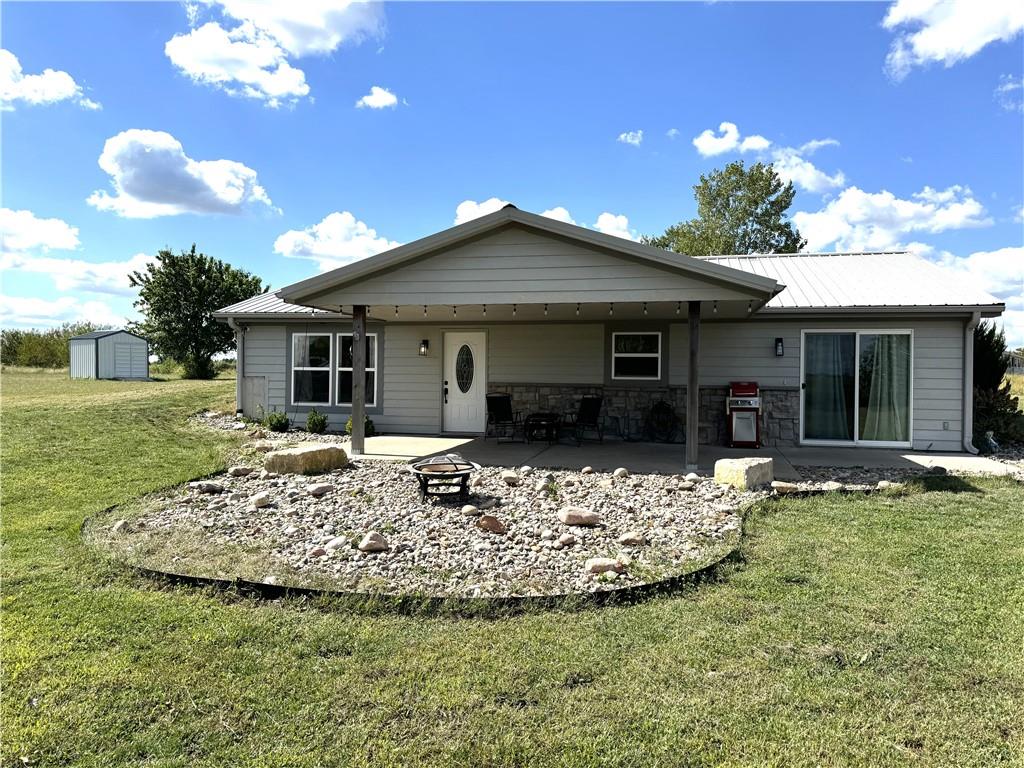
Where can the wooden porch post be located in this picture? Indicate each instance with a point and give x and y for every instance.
(358, 379)
(693, 387)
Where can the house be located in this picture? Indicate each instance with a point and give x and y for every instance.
(115, 354)
(851, 349)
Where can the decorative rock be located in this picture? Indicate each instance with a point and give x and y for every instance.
(632, 539)
(373, 542)
(469, 509)
(587, 471)
(596, 565)
(620, 472)
(316, 552)
(540, 486)
(606, 483)
(261, 499)
(319, 489)
(578, 516)
(526, 470)
(266, 475)
(744, 474)
(692, 477)
(547, 534)
(888, 484)
(624, 558)
(509, 477)
(782, 487)
(831, 486)
(566, 540)
(476, 482)
(121, 526)
(490, 523)
(306, 459)
(241, 471)
(336, 543)
(209, 486)
(686, 485)
(261, 446)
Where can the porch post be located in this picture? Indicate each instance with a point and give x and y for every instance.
(358, 379)
(693, 387)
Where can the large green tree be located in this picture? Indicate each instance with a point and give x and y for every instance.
(739, 210)
(177, 295)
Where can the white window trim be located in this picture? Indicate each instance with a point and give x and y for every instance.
(856, 388)
(657, 355)
(329, 369)
(370, 402)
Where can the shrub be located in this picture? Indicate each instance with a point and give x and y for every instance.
(276, 422)
(316, 422)
(370, 430)
(996, 410)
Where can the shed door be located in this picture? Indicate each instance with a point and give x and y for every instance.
(140, 356)
(123, 361)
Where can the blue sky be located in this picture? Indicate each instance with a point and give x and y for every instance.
(129, 127)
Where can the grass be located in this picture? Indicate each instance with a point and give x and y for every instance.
(858, 631)
(1017, 386)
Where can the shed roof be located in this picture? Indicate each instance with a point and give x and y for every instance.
(102, 334)
(842, 281)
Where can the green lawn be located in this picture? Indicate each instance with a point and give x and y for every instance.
(858, 631)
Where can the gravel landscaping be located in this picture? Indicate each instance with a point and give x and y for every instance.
(522, 532)
(230, 423)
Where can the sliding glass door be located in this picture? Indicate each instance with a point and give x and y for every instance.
(857, 387)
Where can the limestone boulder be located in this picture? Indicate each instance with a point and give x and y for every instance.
(306, 459)
(744, 474)
(782, 487)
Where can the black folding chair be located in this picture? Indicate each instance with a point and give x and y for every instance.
(502, 421)
(587, 418)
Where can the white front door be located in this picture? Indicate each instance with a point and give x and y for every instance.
(465, 381)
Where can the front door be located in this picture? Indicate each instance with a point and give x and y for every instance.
(465, 381)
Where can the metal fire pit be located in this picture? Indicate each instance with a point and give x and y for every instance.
(444, 477)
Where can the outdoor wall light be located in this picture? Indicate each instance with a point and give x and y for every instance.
(780, 350)
(424, 347)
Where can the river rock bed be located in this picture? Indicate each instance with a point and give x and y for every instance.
(230, 423)
(510, 541)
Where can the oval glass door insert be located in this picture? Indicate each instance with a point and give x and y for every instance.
(464, 368)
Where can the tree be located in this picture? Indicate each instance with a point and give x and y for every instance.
(177, 295)
(739, 210)
(995, 408)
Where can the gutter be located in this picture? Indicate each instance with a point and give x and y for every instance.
(239, 361)
(968, 393)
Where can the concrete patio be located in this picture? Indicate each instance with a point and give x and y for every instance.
(664, 458)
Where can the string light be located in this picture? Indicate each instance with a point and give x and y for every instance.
(714, 308)
(455, 311)
(645, 308)
(611, 308)
(577, 309)
(750, 307)
(679, 306)
(485, 310)
(545, 310)
(513, 310)
(396, 310)
(424, 310)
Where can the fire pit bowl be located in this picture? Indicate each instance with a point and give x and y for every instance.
(444, 477)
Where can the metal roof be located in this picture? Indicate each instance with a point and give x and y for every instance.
(853, 280)
(102, 334)
(268, 304)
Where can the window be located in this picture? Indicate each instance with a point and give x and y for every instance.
(345, 369)
(636, 356)
(311, 369)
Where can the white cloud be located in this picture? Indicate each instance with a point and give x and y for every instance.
(252, 58)
(754, 144)
(634, 138)
(1000, 273)
(615, 224)
(559, 213)
(710, 144)
(378, 98)
(242, 62)
(27, 312)
(468, 210)
(339, 239)
(946, 31)
(791, 166)
(23, 232)
(152, 176)
(1010, 93)
(48, 87)
(672, 133)
(79, 275)
(857, 220)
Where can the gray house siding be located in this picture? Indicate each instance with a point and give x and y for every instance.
(517, 265)
(574, 357)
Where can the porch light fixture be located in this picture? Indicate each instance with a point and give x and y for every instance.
(780, 350)
(424, 347)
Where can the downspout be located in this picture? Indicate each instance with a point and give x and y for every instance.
(968, 405)
(239, 361)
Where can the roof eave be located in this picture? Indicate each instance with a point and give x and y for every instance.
(988, 310)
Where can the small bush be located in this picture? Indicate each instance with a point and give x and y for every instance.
(316, 422)
(276, 422)
(996, 410)
(370, 430)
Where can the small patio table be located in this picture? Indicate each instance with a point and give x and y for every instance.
(542, 426)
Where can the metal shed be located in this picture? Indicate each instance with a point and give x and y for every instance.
(114, 354)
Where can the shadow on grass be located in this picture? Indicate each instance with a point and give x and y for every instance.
(943, 484)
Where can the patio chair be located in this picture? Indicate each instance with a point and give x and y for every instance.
(502, 421)
(587, 418)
